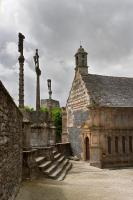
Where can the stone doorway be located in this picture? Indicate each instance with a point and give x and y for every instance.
(87, 148)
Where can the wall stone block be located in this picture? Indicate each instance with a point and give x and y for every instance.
(10, 146)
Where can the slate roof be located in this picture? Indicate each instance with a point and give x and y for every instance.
(110, 91)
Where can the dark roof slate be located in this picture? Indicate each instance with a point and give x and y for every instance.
(110, 91)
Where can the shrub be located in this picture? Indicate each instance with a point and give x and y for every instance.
(27, 109)
(57, 118)
(43, 109)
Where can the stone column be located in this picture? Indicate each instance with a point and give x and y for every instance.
(38, 73)
(21, 70)
(52, 128)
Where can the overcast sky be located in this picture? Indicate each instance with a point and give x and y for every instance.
(56, 28)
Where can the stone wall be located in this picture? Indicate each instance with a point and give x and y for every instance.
(64, 148)
(38, 131)
(78, 97)
(64, 136)
(77, 113)
(112, 123)
(10, 146)
(49, 103)
(74, 131)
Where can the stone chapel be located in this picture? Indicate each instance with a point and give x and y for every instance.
(100, 116)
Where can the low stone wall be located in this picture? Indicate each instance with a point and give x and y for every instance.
(10, 146)
(37, 130)
(64, 148)
(47, 152)
(50, 102)
(30, 168)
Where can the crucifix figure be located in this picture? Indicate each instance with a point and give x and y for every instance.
(38, 73)
(21, 70)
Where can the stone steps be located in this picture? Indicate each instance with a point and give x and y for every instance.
(57, 156)
(58, 171)
(55, 169)
(40, 160)
(45, 165)
(54, 165)
(64, 172)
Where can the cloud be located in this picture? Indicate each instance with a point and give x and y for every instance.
(56, 28)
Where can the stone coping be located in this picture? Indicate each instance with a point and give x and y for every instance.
(9, 96)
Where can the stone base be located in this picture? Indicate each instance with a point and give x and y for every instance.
(96, 164)
(30, 169)
(117, 164)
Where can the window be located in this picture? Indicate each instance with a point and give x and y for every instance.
(116, 144)
(76, 60)
(123, 144)
(109, 145)
(130, 144)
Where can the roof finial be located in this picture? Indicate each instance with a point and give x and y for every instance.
(80, 44)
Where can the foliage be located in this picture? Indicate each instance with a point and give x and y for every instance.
(27, 109)
(57, 118)
(43, 109)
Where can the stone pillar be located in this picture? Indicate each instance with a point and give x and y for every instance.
(21, 70)
(52, 128)
(38, 73)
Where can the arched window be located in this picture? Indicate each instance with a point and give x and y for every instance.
(109, 144)
(130, 144)
(123, 144)
(116, 144)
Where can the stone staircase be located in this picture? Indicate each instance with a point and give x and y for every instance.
(55, 169)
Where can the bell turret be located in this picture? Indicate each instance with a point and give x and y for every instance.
(81, 61)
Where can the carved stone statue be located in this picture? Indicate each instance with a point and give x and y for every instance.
(38, 73)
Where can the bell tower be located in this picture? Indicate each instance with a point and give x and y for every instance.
(81, 61)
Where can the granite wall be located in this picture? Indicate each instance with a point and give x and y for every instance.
(10, 146)
(77, 113)
(49, 103)
(74, 130)
(38, 130)
(113, 123)
(64, 148)
(64, 136)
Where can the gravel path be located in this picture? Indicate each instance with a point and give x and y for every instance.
(82, 183)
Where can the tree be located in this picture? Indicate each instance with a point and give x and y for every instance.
(57, 118)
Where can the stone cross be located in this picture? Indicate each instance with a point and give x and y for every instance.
(21, 59)
(38, 73)
(49, 108)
